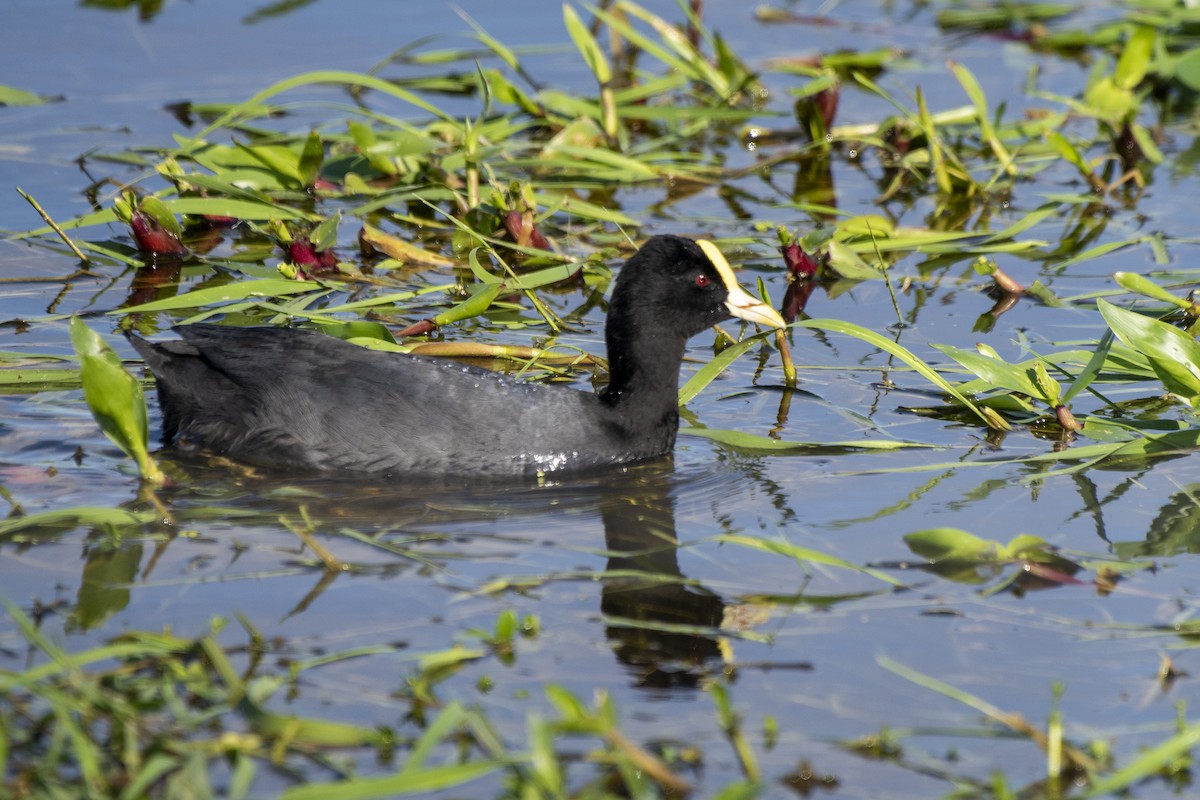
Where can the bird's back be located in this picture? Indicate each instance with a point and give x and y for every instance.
(303, 400)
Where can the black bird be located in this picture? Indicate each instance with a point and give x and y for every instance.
(303, 401)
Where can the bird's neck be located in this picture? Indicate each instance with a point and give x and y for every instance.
(644, 372)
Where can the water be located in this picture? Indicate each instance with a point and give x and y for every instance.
(431, 567)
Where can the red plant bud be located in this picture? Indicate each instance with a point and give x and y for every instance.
(520, 227)
(302, 253)
(421, 328)
(1005, 283)
(1066, 419)
(799, 263)
(826, 104)
(1049, 574)
(900, 140)
(152, 238)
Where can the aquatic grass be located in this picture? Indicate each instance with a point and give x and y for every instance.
(453, 747)
(805, 556)
(961, 556)
(1072, 770)
(987, 415)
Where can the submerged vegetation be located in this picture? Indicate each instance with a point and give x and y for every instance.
(468, 198)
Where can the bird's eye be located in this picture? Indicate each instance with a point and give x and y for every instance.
(702, 280)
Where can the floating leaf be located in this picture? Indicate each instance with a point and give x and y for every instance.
(804, 555)
(210, 295)
(11, 96)
(399, 249)
(765, 444)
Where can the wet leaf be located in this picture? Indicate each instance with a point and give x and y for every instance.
(999, 374)
(401, 250)
(12, 96)
(804, 555)
(1173, 354)
(199, 298)
(765, 444)
(101, 517)
(1135, 58)
(311, 159)
(115, 398)
(589, 48)
(1139, 284)
(951, 544)
(479, 302)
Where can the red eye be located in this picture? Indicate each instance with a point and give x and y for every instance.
(702, 281)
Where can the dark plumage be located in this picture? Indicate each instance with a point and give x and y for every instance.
(304, 401)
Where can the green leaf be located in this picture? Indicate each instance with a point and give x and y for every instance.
(157, 210)
(479, 302)
(1000, 374)
(951, 544)
(98, 517)
(848, 264)
(1133, 282)
(1063, 146)
(1091, 370)
(210, 295)
(324, 236)
(115, 398)
(589, 48)
(311, 158)
(1145, 141)
(1108, 101)
(804, 555)
(1156, 760)
(708, 373)
(1187, 69)
(1173, 355)
(231, 207)
(279, 159)
(1135, 58)
(1050, 390)
(358, 329)
(975, 92)
(11, 96)
(765, 444)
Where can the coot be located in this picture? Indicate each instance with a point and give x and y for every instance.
(303, 401)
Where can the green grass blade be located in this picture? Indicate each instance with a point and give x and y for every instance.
(211, 295)
(805, 555)
(765, 444)
(709, 372)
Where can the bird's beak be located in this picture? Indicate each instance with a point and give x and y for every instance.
(740, 303)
